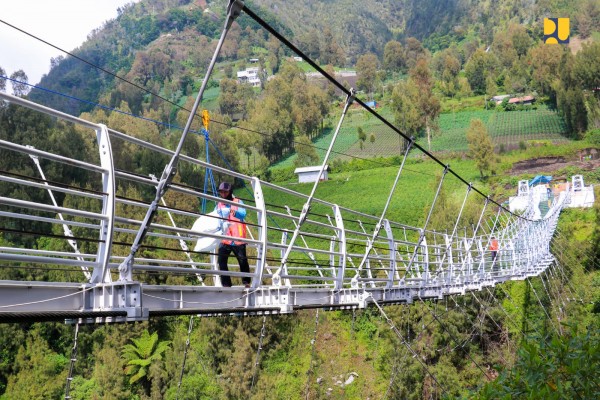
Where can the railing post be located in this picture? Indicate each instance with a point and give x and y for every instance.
(261, 257)
(392, 246)
(100, 273)
(341, 236)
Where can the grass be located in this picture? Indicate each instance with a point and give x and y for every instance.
(453, 105)
(413, 196)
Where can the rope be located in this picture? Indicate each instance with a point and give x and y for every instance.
(485, 310)
(256, 362)
(455, 340)
(312, 356)
(72, 363)
(407, 345)
(187, 346)
(542, 306)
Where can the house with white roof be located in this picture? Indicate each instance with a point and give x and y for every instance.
(250, 76)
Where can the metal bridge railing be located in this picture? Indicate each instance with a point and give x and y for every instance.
(100, 217)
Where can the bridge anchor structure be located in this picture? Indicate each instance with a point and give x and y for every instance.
(116, 241)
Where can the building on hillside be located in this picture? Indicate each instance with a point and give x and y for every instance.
(513, 100)
(310, 174)
(250, 76)
(498, 99)
(522, 100)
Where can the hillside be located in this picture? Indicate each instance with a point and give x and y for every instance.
(357, 27)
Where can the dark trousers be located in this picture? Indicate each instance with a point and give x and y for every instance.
(240, 253)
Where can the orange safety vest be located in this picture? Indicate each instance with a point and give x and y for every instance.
(494, 245)
(237, 227)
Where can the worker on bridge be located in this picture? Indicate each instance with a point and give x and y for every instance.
(234, 217)
(494, 249)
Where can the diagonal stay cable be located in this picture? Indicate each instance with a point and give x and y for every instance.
(423, 230)
(291, 46)
(307, 204)
(233, 11)
(379, 225)
(341, 87)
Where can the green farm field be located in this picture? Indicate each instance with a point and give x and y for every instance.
(411, 200)
(506, 128)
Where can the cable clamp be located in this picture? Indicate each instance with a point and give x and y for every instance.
(234, 9)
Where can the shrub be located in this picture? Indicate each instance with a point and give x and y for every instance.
(522, 145)
(593, 136)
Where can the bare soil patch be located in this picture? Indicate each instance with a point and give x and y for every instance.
(588, 159)
(576, 43)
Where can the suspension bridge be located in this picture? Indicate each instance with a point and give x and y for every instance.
(322, 255)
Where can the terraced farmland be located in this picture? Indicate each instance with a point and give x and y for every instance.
(506, 128)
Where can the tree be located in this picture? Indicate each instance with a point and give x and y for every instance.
(504, 50)
(594, 259)
(404, 104)
(447, 66)
(428, 103)
(362, 136)
(587, 18)
(571, 103)
(393, 56)
(306, 152)
(234, 96)
(562, 368)
(545, 61)
(150, 65)
(140, 355)
(413, 52)
(289, 105)
(310, 43)
(366, 71)
(330, 50)
(490, 86)
(330, 86)
(520, 39)
(21, 87)
(586, 68)
(477, 69)
(481, 148)
(40, 372)
(239, 368)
